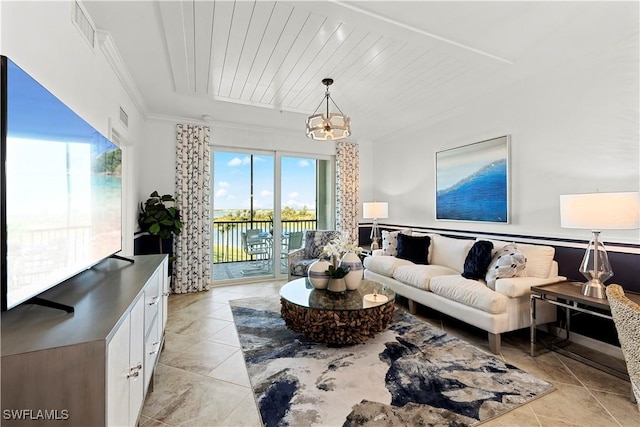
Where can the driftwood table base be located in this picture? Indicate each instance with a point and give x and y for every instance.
(350, 317)
(336, 327)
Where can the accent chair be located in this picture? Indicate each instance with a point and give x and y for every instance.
(626, 316)
(314, 243)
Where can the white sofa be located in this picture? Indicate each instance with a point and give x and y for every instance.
(438, 284)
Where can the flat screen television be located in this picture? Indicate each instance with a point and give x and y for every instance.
(61, 189)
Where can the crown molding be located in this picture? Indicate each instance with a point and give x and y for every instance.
(112, 54)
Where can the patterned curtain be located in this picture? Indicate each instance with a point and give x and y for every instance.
(192, 268)
(348, 187)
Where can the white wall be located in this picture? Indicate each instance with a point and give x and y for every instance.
(42, 40)
(156, 168)
(574, 129)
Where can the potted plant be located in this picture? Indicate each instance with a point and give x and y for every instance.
(161, 221)
(336, 278)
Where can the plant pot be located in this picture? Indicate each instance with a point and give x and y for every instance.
(354, 276)
(148, 244)
(317, 274)
(337, 285)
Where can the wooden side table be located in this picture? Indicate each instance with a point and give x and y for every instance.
(568, 295)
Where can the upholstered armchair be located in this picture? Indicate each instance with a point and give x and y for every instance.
(626, 316)
(314, 242)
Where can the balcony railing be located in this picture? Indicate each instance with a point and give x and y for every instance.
(227, 236)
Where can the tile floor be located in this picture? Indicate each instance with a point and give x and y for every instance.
(201, 379)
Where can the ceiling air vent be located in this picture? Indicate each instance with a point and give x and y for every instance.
(124, 118)
(83, 23)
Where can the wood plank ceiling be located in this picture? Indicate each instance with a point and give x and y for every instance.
(275, 54)
(395, 64)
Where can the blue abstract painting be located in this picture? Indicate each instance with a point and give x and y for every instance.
(472, 182)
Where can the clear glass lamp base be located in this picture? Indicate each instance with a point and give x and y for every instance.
(596, 268)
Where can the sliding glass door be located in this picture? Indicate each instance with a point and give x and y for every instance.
(251, 239)
(243, 188)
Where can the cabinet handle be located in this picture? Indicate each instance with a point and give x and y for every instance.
(137, 367)
(133, 375)
(153, 345)
(154, 301)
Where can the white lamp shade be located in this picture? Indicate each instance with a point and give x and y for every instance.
(335, 127)
(600, 211)
(375, 210)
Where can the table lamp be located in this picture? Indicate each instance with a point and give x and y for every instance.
(375, 211)
(597, 212)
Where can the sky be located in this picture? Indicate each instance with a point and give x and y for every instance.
(456, 164)
(232, 181)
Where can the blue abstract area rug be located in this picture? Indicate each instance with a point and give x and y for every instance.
(410, 374)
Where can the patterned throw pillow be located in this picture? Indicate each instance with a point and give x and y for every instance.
(507, 262)
(390, 241)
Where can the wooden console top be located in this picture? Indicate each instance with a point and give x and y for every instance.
(101, 296)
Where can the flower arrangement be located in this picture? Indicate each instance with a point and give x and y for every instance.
(339, 246)
(338, 274)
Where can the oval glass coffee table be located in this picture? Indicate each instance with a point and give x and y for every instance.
(351, 317)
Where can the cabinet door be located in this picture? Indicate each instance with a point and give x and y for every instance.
(118, 376)
(165, 296)
(125, 354)
(153, 300)
(136, 361)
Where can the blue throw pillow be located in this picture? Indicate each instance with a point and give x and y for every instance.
(413, 248)
(478, 260)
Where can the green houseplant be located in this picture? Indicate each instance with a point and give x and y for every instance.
(337, 272)
(159, 219)
(336, 275)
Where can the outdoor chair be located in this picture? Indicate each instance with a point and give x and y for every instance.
(292, 241)
(257, 249)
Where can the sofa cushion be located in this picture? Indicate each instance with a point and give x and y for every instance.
(413, 248)
(478, 259)
(507, 262)
(390, 241)
(539, 257)
(450, 252)
(384, 265)
(539, 260)
(419, 276)
(469, 292)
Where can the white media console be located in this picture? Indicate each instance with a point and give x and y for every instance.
(92, 367)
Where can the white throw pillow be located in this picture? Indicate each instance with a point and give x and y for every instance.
(390, 241)
(450, 252)
(507, 262)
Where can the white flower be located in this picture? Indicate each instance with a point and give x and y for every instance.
(340, 245)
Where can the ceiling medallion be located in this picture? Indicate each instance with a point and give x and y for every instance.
(329, 126)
